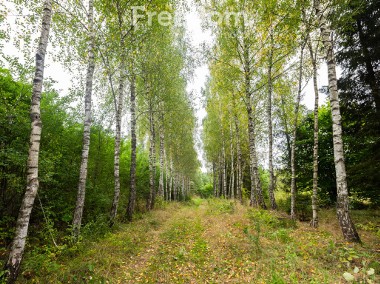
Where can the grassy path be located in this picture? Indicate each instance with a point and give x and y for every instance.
(216, 242)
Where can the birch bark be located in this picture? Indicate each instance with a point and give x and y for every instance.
(314, 198)
(214, 175)
(342, 206)
(232, 179)
(224, 173)
(119, 111)
(239, 162)
(152, 162)
(293, 190)
(171, 180)
(162, 140)
(77, 220)
(270, 129)
(132, 171)
(257, 197)
(18, 245)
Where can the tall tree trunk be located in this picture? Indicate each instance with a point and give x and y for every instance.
(175, 186)
(346, 224)
(371, 76)
(239, 162)
(132, 171)
(77, 220)
(162, 149)
(232, 178)
(257, 197)
(270, 129)
(152, 162)
(286, 126)
(18, 245)
(183, 187)
(119, 111)
(166, 185)
(224, 172)
(314, 198)
(214, 175)
(220, 172)
(293, 189)
(171, 179)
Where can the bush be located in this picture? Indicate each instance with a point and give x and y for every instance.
(206, 191)
(96, 228)
(303, 206)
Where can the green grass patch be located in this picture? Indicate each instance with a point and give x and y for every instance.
(212, 241)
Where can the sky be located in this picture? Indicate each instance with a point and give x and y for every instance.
(198, 36)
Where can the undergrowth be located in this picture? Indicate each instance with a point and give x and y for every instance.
(210, 241)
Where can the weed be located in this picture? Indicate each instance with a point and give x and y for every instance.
(220, 206)
(254, 238)
(276, 279)
(199, 250)
(281, 235)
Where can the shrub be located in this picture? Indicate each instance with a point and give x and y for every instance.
(206, 191)
(303, 206)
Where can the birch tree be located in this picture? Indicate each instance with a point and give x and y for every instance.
(132, 171)
(18, 244)
(293, 189)
(77, 220)
(345, 221)
(113, 55)
(313, 58)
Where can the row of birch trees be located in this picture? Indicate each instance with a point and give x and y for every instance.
(264, 55)
(132, 69)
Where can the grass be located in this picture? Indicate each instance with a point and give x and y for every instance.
(218, 241)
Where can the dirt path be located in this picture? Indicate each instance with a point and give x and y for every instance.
(215, 241)
(197, 244)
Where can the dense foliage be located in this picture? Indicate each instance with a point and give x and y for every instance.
(61, 147)
(356, 25)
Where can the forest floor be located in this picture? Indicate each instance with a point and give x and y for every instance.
(219, 241)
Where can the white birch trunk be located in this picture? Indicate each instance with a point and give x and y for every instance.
(166, 187)
(119, 111)
(152, 161)
(22, 226)
(183, 191)
(293, 189)
(132, 170)
(345, 221)
(257, 197)
(232, 180)
(175, 186)
(77, 220)
(220, 187)
(170, 197)
(214, 176)
(224, 173)
(270, 130)
(239, 162)
(314, 198)
(162, 140)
